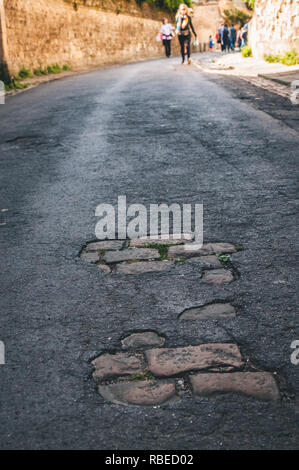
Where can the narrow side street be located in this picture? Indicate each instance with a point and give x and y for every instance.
(105, 348)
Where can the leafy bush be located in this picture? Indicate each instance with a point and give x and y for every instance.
(65, 68)
(24, 73)
(15, 85)
(272, 58)
(250, 4)
(54, 68)
(289, 58)
(246, 51)
(233, 16)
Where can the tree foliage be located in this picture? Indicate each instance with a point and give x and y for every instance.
(171, 5)
(250, 4)
(234, 16)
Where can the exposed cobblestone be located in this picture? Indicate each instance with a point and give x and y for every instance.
(259, 385)
(105, 245)
(92, 257)
(144, 267)
(144, 339)
(148, 392)
(211, 311)
(168, 362)
(218, 276)
(111, 365)
(170, 240)
(131, 254)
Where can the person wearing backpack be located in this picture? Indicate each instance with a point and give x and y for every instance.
(224, 38)
(184, 29)
(232, 37)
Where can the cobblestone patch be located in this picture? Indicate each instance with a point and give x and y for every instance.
(214, 311)
(158, 376)
(145, 255)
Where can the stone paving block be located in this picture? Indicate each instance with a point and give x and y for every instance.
(210, 261)
(105, 268)
(218, 276)
(131, 254)
(105, 245)
(111, 365)
(144, 339)
(260, 385)
(167, 240)
(148, 392)
(178, 251)
(90, 257)
(210, 312)
(167, 362)
(215, 248)
(144, 267)
(220, 248)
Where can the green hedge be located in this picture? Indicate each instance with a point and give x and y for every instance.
(289, 58)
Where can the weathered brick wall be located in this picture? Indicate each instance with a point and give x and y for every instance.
(45, 32)
(274, 27)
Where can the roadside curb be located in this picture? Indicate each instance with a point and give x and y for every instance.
(276, 80)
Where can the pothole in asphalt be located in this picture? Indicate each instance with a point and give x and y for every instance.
(150, 375)
(145, 255)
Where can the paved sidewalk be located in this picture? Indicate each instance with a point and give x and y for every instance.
(235, 64)
(272, 77)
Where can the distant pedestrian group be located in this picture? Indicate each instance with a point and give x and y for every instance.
(228, 36)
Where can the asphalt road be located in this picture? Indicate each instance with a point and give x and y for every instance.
(155, 132)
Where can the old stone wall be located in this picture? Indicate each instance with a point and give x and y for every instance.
(45, 32)
(275, 27)
(206, 19)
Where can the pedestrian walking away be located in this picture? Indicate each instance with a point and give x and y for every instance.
(232, 37)
(224, 32)
(167, 34)
(184, 29)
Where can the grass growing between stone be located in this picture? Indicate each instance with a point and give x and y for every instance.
(162, 249)
(223, 258)
(141, 376)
